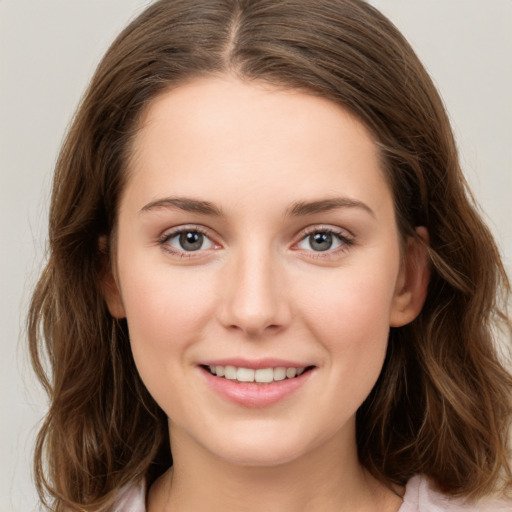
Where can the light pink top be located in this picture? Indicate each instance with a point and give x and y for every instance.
(419, 497)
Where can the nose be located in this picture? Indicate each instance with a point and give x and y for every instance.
(254, 299)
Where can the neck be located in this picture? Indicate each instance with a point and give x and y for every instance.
(327, 479)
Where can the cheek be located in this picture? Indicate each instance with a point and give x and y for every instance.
(349, 301)
(163, 315)
(350, 316)
(165, 322)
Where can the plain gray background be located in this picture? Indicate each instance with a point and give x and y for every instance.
(48, 51)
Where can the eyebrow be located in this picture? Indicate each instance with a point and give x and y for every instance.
(298, 209)
(184, 203)
(302, 208)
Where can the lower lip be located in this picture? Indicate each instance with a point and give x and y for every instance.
(250, 394)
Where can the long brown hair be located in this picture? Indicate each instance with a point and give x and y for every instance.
(442, 404)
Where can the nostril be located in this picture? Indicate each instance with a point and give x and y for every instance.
(254, 329)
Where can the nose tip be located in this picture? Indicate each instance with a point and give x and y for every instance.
(253, 311)
(254, 303)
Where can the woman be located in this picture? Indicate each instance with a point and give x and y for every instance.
(264, 260)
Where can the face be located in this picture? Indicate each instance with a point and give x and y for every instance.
(259, 267)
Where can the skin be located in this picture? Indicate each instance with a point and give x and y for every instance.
(258, 288)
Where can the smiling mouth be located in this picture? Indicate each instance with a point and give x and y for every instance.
(259, 376)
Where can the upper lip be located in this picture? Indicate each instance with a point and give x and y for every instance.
(255, 364)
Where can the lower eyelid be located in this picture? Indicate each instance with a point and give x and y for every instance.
(206, 241)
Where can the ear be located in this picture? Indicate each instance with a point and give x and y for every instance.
(412, 282)
(109, 284)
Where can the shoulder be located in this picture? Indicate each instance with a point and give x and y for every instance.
(131, 498)
(421, 496)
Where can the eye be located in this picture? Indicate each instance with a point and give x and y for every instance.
(323, 240)
(188, 240)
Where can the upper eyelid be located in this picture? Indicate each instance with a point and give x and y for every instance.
(170, 232)
(320, 228)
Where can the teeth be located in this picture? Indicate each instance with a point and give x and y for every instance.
(291, 372)
(262, 375)
(279, 373)
(230, 372)
(245, 375)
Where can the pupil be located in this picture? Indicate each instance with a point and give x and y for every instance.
(321, 241)
(191, 241)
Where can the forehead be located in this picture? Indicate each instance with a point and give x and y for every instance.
(220, 136)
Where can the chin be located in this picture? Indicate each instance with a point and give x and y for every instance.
(257, 455)
(258, 446)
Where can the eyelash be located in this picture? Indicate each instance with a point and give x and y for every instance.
(345, 241)
(166, 237)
